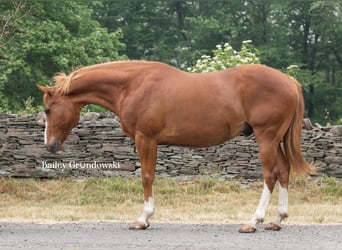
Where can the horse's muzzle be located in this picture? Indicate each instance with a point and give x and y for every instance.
(54, 146)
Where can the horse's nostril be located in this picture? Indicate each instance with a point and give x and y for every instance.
(54, 146)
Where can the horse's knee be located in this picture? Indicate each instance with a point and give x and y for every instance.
(147, 180)
(270, 180)
(270, 172)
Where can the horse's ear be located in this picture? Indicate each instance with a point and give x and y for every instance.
(46, 89)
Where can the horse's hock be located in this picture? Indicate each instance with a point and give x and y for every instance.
(98, 147)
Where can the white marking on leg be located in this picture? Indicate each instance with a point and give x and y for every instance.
(148, 211)
(45, 132)
(260, 212)
(283, 205)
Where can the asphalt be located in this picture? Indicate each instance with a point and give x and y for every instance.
(163, 236)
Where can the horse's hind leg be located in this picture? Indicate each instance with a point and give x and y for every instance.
(268, 146)
(283, 169)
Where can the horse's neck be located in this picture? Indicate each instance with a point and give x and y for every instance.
(101, 88)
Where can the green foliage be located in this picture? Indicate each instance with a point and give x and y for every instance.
(29, 107)
(49, 42)
(226, 57)
(321, 98)
(4, 106)
(93, 108)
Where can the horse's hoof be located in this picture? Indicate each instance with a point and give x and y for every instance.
(137, 225)
(272, 226)
(247, 229)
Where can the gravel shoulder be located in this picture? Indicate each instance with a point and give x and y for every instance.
(115, 235)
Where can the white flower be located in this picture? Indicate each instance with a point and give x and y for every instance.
(292, 66)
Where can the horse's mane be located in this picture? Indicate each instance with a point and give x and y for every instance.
(63, 82)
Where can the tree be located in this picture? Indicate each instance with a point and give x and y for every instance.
(315, 33)
(52, 41)
(153, 30)
(9, 20)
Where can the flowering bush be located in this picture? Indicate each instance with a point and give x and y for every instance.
(226, 57)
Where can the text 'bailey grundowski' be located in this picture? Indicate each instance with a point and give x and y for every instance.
(80, 165)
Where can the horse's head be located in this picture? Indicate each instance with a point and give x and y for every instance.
(61, 116)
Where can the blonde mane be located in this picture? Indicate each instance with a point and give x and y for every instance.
(63, 82)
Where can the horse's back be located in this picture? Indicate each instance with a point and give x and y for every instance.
(238, 92)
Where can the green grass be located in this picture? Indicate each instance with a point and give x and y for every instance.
(332, 189)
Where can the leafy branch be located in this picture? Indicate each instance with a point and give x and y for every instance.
(10, 21)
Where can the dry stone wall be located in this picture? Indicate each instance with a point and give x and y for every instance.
(98, 147)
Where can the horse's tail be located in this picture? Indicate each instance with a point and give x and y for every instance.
(292, 139)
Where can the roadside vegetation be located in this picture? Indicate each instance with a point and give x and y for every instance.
(200, 200)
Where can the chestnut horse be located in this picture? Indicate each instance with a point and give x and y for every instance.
(159, 104)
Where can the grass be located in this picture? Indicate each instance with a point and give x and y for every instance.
(202, 200)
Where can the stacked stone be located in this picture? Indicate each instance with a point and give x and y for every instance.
(99, 139)
(324, 151)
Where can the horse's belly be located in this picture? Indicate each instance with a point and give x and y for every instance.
(202, 134)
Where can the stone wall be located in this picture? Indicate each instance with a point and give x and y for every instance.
(98, 147)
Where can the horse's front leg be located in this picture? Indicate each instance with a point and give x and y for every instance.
(147, 149)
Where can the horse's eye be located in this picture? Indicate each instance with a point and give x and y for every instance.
(47, 111)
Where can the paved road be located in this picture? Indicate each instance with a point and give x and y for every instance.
(113, 235)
